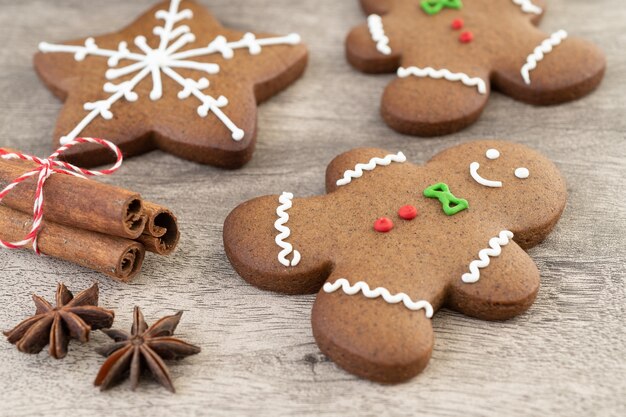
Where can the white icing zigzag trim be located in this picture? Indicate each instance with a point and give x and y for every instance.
(361, 286)
(538, 54)
(283, 217)
(370, 166)
(375, 25)
(495, 249)
(528, 6)
(479, 83)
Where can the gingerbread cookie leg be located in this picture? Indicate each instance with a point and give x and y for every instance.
(429, 101)
(556, 68)
(500, 283)
(369, 333)
(271, 245)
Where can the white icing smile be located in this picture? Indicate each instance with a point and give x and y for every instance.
(521, 172)
(482, 181)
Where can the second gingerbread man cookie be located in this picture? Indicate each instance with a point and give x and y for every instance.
(449, 54)
(175, 80)
(391, 243)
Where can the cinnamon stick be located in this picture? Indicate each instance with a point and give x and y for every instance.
(114, 256)
(161, 233)
(77, 202)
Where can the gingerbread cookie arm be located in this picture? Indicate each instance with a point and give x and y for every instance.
(379, 7)
(371, 49)
(370, 332)
(534, 9)
(275, 243)
(550, 68)
(500, 283)
(427, 101)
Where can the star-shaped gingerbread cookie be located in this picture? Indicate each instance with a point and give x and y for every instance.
(391, 243)
(449, 54)
(174, 80)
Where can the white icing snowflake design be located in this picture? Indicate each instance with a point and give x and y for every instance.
(164, 60)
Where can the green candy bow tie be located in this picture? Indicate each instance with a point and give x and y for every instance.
(434, 6)
(451, 204)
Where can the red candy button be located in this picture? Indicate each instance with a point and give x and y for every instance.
(457, 24)
(466, 37)
(407, 212)
(383, 225)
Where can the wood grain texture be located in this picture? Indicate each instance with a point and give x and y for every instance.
(566, 356)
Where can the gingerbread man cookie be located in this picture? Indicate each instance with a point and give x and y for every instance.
(391, 243)
(175, 80)
(449, 54)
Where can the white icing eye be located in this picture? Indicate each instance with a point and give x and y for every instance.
(522, 173)
(492, 154)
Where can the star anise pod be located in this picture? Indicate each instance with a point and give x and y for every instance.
(143, 346)
(72, 318)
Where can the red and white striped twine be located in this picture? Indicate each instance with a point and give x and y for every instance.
(47, 167)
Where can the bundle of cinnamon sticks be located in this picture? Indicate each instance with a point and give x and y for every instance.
(98, 226)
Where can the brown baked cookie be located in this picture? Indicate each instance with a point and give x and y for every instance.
(448, 61)
(175, 80)
(392, 242)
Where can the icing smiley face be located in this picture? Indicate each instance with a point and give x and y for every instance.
(493, 154)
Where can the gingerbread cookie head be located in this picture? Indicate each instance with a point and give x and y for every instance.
(448, 55)
(509, 182)
(175, 80)
(393, 242)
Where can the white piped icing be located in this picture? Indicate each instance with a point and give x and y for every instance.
(370, 166)
(540, 51)
(474, 166)
(384, 293)
(165, 59)
(283, 218)
(483, 261)
(479, 83)
(492, 154)
(522, 173)
(528, 6)
(377, 31)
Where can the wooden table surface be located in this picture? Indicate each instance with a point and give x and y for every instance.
(566, 356)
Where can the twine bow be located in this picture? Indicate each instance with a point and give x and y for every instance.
(45, 169)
